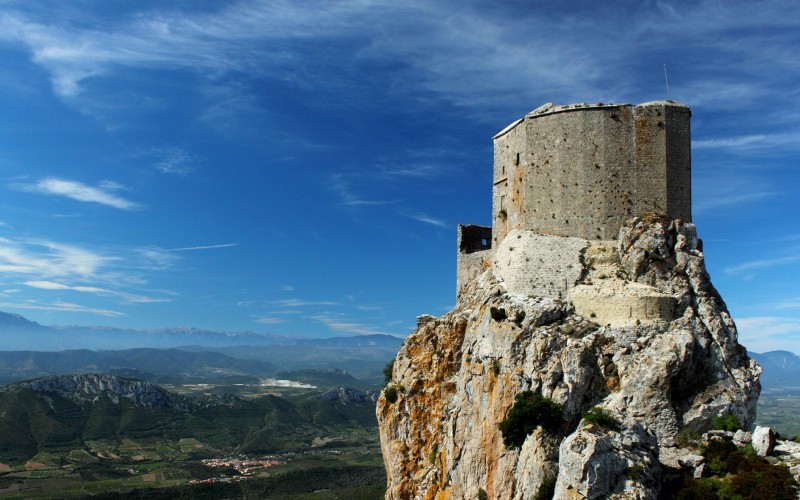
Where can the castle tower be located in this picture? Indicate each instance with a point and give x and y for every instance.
(577, 173)
(582, 170)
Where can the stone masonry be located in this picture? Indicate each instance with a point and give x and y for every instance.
(583, 170)
(567, 176)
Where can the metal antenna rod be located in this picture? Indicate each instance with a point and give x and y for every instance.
(666, 80)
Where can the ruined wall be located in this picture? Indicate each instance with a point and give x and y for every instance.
(582, 170)
(474, 244)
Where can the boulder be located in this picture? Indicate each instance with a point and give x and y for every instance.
(763, 441)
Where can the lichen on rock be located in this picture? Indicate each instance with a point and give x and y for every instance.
(460, 373)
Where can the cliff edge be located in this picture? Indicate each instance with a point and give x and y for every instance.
(641, 339)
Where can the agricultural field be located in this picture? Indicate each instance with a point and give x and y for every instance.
(779, 408)
(283, 445)
(121, 467)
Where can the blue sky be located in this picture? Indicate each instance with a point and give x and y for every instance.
(300, 167)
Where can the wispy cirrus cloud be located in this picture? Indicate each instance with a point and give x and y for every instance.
(348, 196)
(761, 264)
(56, 267)
(428, 220)
(61, 307)
(303, 303)
(44, 258)
(269, 320)
(129, 298)
(461, 55)
(203, 247)
(790, 303)
(749, 143)
(344, 325)
(74, 190)
(175, 161)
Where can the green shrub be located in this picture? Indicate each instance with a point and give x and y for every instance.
(387, 372)
(547, 490)
(687, 438)
(717, 467)
(482, 494)
(634, 472)
(726, 423)
(752, 477)
(530, 410)
(496, 367)
(434, 453)
(601, 417)
(391, 393)
(722, 456)
(498, 313)
(699, 489)
(519, 318)
(757, 478)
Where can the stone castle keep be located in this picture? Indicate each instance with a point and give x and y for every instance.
(565, 180)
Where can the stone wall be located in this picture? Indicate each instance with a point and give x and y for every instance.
(539, 265)
(582, 170)
(474, 244)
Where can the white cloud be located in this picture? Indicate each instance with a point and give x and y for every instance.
(47, 258)
(342, 187)
(475, 56)
(269, 320)
(761, 264)
(155, 259)
(175, 161)
(203, 247)
(60, 307)
(769, 333)
(80, 192)
(302, 303)
(748, 143)
(792, 303)
(429, 220)
(339, 324)
(129, 298)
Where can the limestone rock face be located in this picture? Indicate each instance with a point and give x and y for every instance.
(456, 377)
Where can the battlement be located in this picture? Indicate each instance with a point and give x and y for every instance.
(581, 170)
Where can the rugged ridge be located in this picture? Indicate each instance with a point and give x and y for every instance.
(91, 387)
(456, 376)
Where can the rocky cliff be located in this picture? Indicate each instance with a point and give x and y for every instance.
(650, 343)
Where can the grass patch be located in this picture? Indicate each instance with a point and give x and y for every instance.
(602, 418)
(726, 423)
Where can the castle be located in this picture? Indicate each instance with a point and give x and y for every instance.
(565, 180)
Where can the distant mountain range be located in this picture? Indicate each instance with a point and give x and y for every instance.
(781, 369)
(156, 365)
(19, 334)
(184, 355)
(64, 412)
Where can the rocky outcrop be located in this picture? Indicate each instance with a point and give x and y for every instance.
(90, 387)
(456, 377)
(349, 396)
